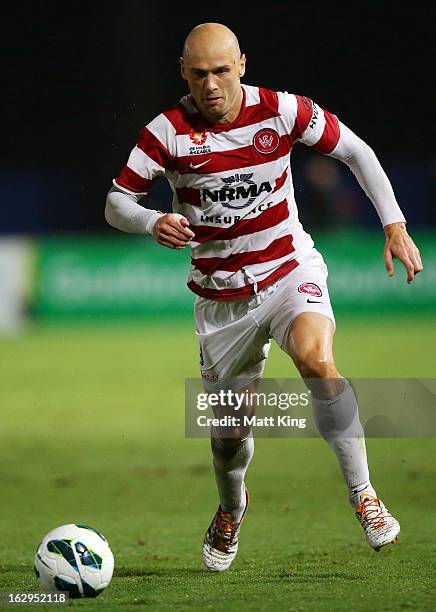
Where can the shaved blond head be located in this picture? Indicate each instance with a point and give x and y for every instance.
(210, 37)
(213, 66)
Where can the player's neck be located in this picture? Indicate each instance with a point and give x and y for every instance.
(234, 111)
(232, 114)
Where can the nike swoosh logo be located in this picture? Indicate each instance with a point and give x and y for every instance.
(314, 302)
(195, 166)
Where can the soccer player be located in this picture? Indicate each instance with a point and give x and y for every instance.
(225, 150)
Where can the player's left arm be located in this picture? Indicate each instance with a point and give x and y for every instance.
(323, 131)
(363, 162)
(401, 246)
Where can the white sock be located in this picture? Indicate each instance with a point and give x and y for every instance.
(230, 463)
(355, 493)
(338, 423)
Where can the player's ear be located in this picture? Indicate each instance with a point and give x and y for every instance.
(182, 68)
(242, 61)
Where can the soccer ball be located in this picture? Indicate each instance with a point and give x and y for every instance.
(74, 558)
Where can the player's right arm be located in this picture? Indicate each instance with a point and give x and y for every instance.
(125, 213)
(148, 159)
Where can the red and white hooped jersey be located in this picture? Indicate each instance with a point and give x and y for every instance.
(234, 185)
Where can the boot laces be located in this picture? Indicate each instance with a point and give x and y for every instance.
(371, 512)
(224, 531)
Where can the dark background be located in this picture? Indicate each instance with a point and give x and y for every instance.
(81, 79)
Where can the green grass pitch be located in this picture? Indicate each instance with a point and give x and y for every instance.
(92, 432)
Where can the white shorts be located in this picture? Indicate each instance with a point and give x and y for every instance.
(235, 335)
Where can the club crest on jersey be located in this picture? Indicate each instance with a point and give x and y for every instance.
(197, 138)
(310, 289)
(266, 141)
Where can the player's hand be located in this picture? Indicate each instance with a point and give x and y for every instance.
(400, 245)
(172, 230)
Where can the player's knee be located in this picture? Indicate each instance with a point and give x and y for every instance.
(224, 450)
(314, 365)
(228, 443)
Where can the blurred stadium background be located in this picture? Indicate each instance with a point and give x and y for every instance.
(80, 85)
(96, 327)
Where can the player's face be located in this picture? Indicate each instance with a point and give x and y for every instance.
(214, 82)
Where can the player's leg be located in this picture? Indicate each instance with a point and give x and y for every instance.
(231, 457)
(233, 353)
(310, 344)
(232, 451)
(303, 325)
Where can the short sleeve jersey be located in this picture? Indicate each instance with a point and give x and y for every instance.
(233, 183)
